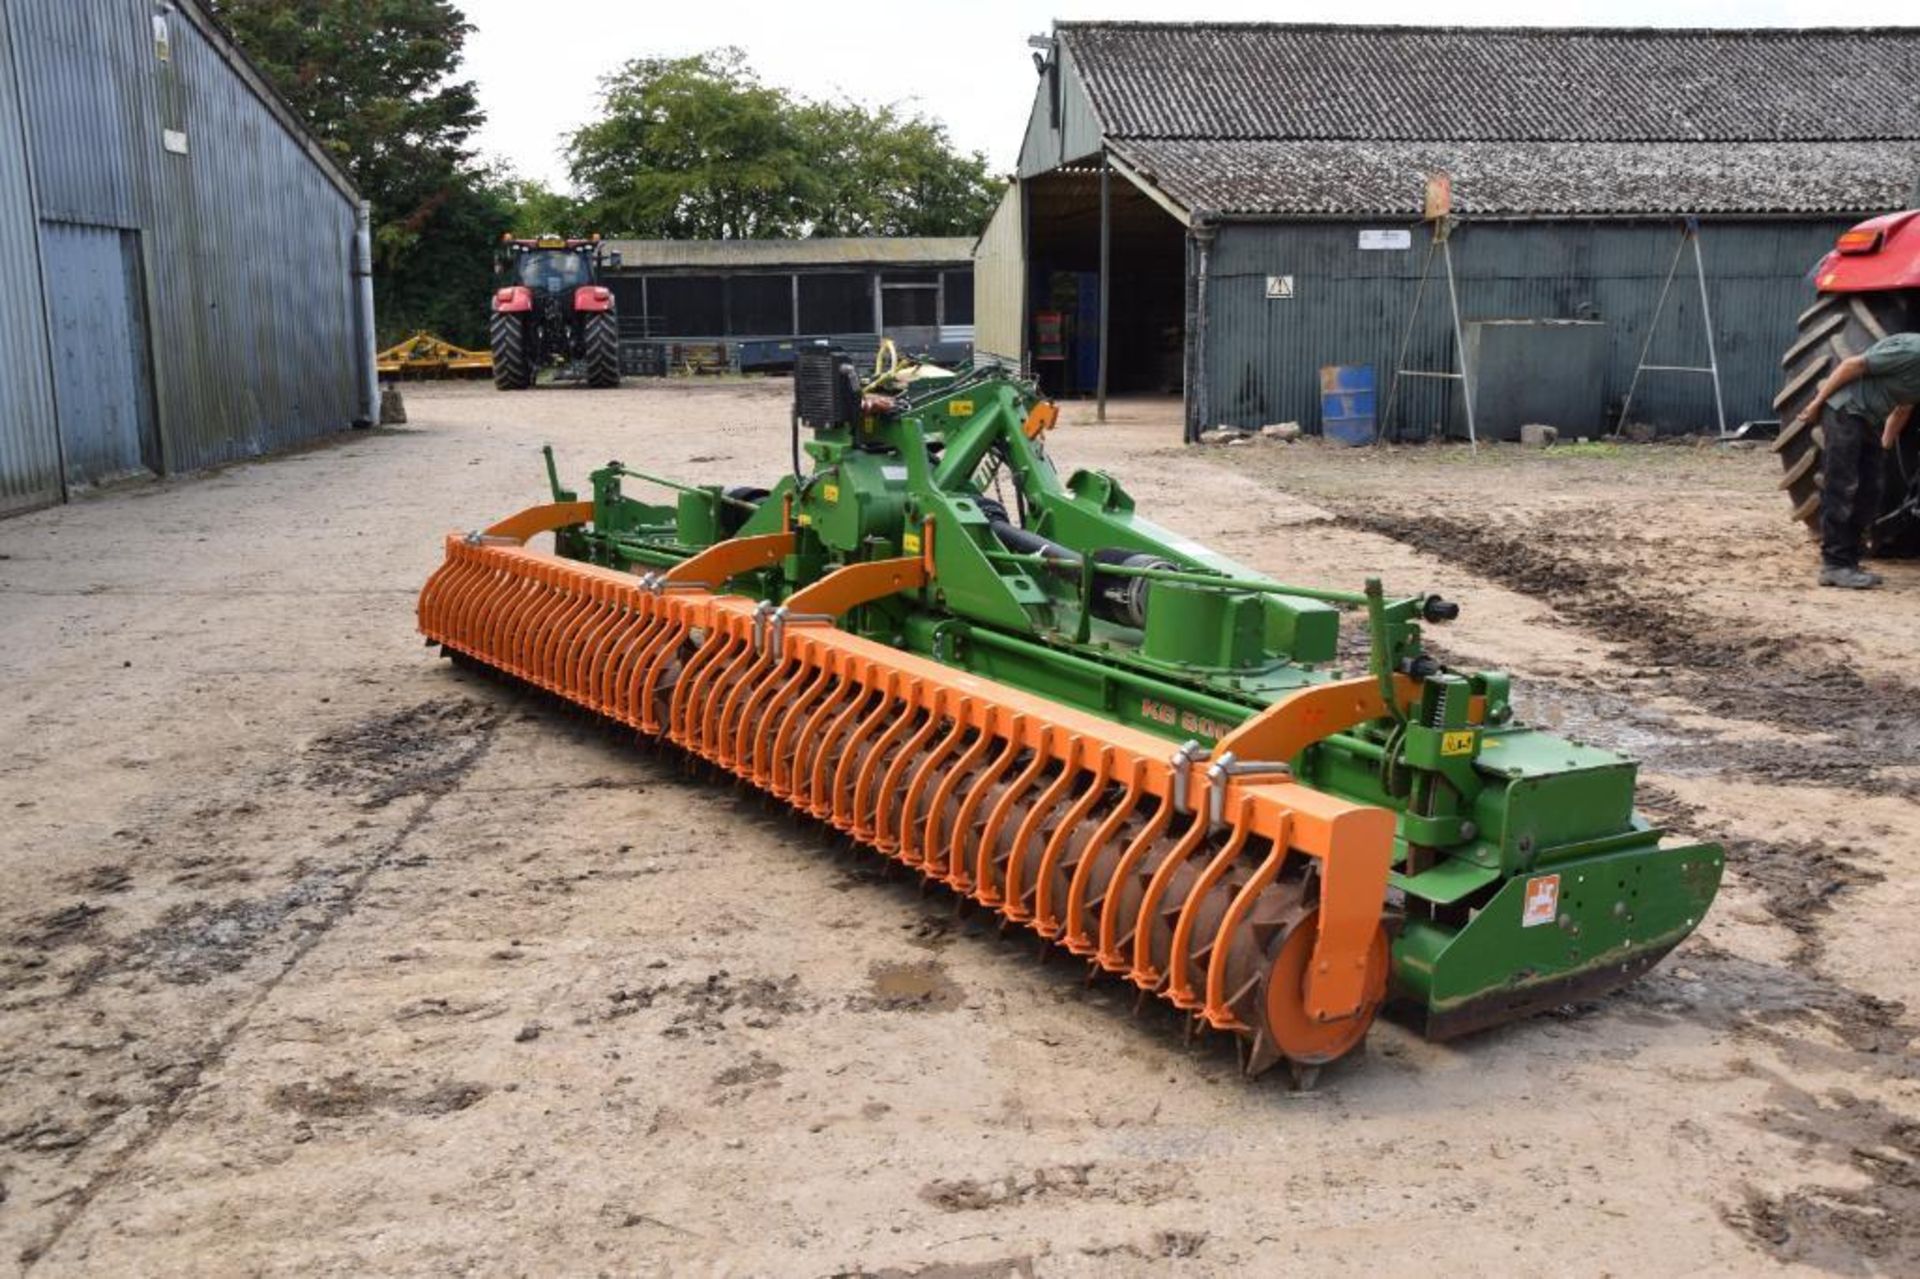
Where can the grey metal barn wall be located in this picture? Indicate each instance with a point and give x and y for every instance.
(1350, 306)
(245, 241)
(29, 450)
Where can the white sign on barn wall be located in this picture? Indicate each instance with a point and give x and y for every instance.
(1279, 288)
(1394, 239)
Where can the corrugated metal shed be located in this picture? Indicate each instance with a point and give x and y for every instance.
(827, 251)
(1315, 121)
(1574, 154)
(29, 448)
(144, 125)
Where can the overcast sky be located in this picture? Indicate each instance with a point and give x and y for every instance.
(965, 64)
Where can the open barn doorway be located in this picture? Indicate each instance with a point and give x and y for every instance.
(1146, 329)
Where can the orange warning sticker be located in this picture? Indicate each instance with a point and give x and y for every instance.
(1542, 902)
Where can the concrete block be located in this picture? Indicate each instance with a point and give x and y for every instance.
(1223, 435)
(393, 409)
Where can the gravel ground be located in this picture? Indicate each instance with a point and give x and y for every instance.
(320, 955)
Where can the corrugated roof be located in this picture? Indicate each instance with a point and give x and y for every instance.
(1509, 179)
(1274, 81)
(1298, 120)
(776, 254)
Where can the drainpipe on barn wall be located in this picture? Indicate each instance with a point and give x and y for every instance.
(363, 277)
(1200, 245)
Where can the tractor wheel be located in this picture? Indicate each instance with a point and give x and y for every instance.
(1836, 327)
(600, 336)
(512, 361)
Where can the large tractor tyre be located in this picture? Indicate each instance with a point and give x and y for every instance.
(600, 337)
(512, 352)
(1836, 327)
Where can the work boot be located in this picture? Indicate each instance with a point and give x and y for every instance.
(1848, 578)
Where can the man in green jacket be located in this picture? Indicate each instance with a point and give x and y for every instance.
(1867, 400)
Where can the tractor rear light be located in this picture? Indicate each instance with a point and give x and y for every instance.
(1860, 240)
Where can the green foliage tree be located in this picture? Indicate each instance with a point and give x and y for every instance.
(693, 148)
(537, 209)
(698, 148)
(376, 82)
(883, 172)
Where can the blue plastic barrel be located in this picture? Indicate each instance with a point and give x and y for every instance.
(1346, 403)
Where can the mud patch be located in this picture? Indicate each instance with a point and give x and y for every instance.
(1840, 1228)
(1061, 1183)
(1762, 1002)
(348, 1096)
(1166, 1245)
(63, 927)
(931, 932)
(195, 942)
(922, 986)
(425, 749)
(1742, 676)
(1798, 880)
(998, 1268)
(754, 1071)
(101, 880)
(710, 1006)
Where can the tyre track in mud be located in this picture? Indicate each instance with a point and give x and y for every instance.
(1742, 675)
(1860, 744)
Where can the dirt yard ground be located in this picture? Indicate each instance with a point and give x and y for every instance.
(319, 955)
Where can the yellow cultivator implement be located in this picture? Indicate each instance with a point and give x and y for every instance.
(425, 356)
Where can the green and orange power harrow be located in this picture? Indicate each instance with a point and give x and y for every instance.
(1141, 751)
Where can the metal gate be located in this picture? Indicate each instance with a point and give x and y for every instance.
(96, 311)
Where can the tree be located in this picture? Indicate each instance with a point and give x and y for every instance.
(699, 148)
(537, 209)
(880, 172)
(376, 83)
(691, 148)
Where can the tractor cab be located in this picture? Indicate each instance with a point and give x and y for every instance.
(551, 265)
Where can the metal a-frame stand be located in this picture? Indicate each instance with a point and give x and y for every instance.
(1689, 235)
(1441, 242)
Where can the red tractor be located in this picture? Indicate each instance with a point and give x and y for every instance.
(1869, 287)
(552, 308)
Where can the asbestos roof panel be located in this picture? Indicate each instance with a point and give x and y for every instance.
(1504, 179)
(1319, 82)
